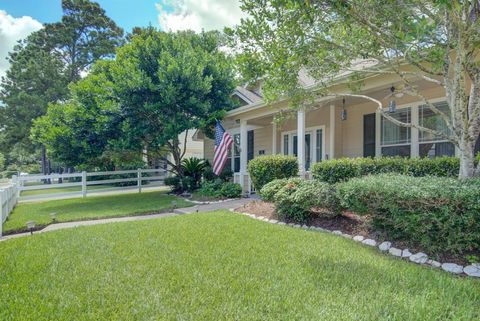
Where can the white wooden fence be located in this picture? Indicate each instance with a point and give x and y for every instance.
(137, 179)
(8, 200)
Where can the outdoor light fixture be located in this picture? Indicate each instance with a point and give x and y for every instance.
(196, 208)
(53, 216)
(174, 204)
(392, 105)
(31, 226)
(343, 115)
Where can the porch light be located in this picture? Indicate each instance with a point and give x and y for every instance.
(343, 115)
(392, 105)
(31, 226)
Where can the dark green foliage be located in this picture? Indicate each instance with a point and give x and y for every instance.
(193, 167)
(175, 183)
(265, 169)
(231, 190)
(440, 214)
(43, 65)
(208, 175)
(269, 190)
(295, 199)
(343, 169)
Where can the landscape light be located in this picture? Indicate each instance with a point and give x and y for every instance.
(31, 226)
(174, 204)
(53, 216)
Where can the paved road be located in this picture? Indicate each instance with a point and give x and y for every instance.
(179, 211)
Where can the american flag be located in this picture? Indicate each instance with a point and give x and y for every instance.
(223, 141)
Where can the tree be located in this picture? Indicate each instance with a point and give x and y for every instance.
(42, 66)
(159, 85)
(435, 41)
(84, 35)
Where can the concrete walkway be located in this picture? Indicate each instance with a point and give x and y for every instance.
(179, 211)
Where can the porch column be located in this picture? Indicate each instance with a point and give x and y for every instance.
(331, 151)
(243, 153)
(274, 138)
(301, 140)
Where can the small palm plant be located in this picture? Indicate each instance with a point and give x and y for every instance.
(193, 167)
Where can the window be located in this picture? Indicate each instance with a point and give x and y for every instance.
(295, 145)
(236, 153)
(431, 145)
(395, 139)
(318, 145)
(285, 144)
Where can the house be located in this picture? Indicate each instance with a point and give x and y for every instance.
(334, 127)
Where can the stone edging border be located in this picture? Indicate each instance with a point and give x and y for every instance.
(472, 270)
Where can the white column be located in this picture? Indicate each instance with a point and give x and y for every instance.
(332, 133)
(274, 138)
(415, 150)
(378, 133)
(301, 140)
(243, 146)
(243, 154)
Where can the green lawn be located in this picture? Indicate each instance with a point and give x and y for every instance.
(219, 266)
(90, 208)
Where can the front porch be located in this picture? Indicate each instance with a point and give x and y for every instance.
(332, 129)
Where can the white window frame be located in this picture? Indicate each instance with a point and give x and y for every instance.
(414, 132)
(313, 141)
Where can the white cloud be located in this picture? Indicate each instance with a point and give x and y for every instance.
(11, 30)
(198, 14)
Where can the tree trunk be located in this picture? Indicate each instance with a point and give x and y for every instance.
(467, 159)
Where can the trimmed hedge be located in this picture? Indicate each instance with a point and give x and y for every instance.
(265, 169)
(295, 199)
(343, 169)
(440, 214)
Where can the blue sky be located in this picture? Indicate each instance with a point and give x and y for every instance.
(19, 18)
(126, 13)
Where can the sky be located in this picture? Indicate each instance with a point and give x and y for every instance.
(18, 18)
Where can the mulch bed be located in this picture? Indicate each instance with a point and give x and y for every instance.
(348, 222)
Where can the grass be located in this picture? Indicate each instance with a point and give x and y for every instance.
(89, 208)
(219, 266)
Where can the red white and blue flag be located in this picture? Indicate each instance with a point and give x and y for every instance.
(223, 141)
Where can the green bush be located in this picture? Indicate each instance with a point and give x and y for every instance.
(269, 190)
(175, 183)
(440, 214)
(343, 169)
(193, 167)
(296, 199)
(210, 189)
(231, 190)
(285, 206)
(265, 169)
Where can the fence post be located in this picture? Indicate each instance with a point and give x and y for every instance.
(139, 180)
(84, 184)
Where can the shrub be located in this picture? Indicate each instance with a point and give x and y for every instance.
(284, 204)
(265, 169)
(318, 196)
(209, 189)
(269, 190)
(231, 190)
(440, 214)
(175, 183)
(296, 199)
(343, 169)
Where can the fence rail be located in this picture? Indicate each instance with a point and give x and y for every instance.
(8, 200)
(133, 179)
